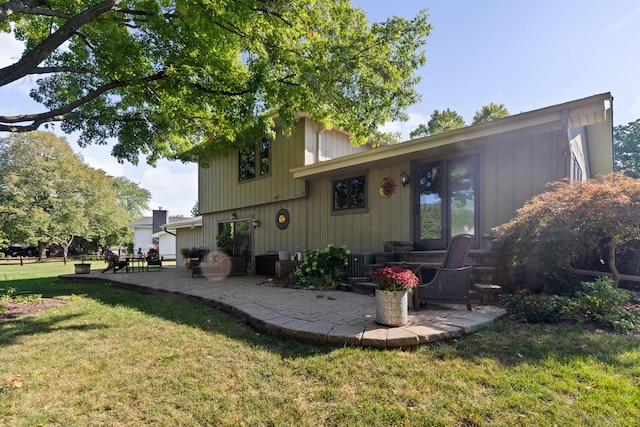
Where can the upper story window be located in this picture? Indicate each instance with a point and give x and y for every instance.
(350, 193)
(254, 162)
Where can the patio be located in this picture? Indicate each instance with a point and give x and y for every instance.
(333, 317)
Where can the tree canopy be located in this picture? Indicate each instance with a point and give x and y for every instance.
(187, 80)
(49, 196)
(438, 123)
(626, 148)
(490, 112)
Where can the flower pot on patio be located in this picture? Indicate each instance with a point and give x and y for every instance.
(393, 284)
(392, 307)
(83, 268)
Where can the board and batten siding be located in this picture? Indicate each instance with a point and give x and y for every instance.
(514, 171)
(187, 238)
(385, 218)
(219, 188)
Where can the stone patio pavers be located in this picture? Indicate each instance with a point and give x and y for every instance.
(333, 317)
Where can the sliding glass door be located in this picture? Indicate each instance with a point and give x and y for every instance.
(445, 201)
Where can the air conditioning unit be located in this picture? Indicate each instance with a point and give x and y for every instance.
(356, 261)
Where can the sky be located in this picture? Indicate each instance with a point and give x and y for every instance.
(525, 55)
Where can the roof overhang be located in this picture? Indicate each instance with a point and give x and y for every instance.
(594, 110)
(188, 223)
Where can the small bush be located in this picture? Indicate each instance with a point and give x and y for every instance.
(596, 301)
(321, 267)
(534, 308)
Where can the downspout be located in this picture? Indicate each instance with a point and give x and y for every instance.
(168, 232)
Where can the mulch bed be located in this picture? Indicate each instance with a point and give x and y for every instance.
(16, 310)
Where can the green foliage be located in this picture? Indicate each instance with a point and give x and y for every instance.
(572, 223)
(626, 148)
(489, 112)
(195, 79)
(321, 267)
(597, 301)
(195, 210)
(534, 308)
(439, 122)
(48, 195)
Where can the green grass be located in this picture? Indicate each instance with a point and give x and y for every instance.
(114, 357)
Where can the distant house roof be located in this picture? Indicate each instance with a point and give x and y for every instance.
(184, 223)
(147, 221)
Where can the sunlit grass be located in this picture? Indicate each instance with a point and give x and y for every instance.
(114, 357)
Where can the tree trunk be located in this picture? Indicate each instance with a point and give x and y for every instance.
(42, 251)
(612, 264)
(65, 249)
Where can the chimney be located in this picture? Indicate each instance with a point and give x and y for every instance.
(160, 217)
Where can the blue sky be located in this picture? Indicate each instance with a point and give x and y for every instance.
(525, 55)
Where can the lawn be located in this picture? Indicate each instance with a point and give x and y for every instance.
(110, 356)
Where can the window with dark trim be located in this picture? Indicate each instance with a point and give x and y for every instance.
(254, 162)
(350, 193)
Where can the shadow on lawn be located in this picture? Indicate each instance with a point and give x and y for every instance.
(176, 309)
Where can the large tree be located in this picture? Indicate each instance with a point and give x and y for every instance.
(193, 79)
(626, 148)
(131, 198)
(489, 112)
(439, 122)
(49, 196)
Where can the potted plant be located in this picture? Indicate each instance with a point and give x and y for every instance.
(186, 254)
(392, 284)
(224, 241)
(83, 267)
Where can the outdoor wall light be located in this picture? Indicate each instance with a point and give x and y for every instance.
(234, 216)
(404, 178)
(255, 223)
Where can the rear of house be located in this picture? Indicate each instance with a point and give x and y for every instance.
(313, 188)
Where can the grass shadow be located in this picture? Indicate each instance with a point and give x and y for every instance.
(172, 308)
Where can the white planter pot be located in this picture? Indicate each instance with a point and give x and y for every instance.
(391, 307)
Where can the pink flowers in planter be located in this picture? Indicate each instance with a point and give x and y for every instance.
(394, 278)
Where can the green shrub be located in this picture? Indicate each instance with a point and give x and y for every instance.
(321, 267)
(534, 308)
(596, 301)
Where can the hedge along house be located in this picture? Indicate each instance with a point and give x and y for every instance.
(313, 188)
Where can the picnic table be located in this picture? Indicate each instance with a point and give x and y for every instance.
(136, 263)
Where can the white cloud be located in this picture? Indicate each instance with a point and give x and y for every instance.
(415, 119)
(11, 50)
(174, 186)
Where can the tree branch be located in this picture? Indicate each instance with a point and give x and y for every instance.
(30, 61)
(64, 112)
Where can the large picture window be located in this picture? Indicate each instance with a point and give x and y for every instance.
(254, 162)
(349, 193)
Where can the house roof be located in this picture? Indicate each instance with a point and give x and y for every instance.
(147, 221)
(184, 223)
(593, 111)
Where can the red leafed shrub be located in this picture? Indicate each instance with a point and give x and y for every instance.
(574, 224)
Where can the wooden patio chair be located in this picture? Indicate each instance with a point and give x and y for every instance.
(451, 282)
(115, 263)
(154, 258)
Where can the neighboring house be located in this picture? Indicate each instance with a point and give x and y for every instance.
(149, 230)
(313, 188)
